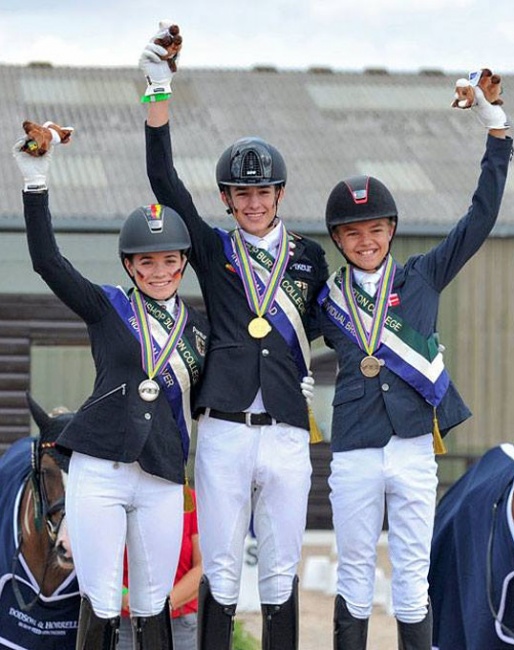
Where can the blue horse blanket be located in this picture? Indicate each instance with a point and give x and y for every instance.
(51, 623)
(472, 565)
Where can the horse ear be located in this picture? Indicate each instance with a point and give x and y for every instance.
(41, 418)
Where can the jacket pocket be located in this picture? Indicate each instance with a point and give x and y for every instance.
(93, 402)
(348, 393)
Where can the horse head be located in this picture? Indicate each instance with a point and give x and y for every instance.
(48, 479)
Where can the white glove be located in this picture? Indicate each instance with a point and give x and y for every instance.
(307, 386)
(489, 115)
(156, 69)
(33, 169)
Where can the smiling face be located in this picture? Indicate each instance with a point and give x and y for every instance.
(254, 206)
(365, 244)
(158, 275)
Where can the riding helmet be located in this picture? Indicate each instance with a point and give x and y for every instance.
(151, 229)
(359, 198)
(251, 161)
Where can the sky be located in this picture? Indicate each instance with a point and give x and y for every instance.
(399, 35)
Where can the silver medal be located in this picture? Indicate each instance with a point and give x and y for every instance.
(148, 390)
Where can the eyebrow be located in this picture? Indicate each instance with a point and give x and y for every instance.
(150, 256)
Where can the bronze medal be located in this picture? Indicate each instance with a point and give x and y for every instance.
(259, 327)
(370, 366)
(148, 390)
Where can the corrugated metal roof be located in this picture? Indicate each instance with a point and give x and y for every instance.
(44, 89)
(367, 97)
(79, 171)
(399, 127)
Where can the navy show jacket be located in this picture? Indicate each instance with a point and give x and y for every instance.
(237, 364)
(114, 423)
(368, 411)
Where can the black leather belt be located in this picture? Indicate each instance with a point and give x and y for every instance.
(255, 419)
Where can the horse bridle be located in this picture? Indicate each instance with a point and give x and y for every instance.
(43, 511)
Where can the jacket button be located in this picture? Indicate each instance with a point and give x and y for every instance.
(148, 416)
(385, 387)
(265, 352)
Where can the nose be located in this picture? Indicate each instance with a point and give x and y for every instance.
(64, 553)
(160, 270)
(62, 544)
(253, 197)
(365, 238)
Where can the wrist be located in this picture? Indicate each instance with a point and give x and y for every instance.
(498, 133)
(157, 97)
(157, 91)
(35, 186)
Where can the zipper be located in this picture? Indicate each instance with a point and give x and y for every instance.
(122, 388)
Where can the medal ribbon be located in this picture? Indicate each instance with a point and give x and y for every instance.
(370, 342)
(410, 355)
(151, 365)
(180, 374)
(289, 308)
(260, 301)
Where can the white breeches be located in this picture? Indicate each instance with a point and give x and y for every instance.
(403, 476)
(109, 505)
(243, 470)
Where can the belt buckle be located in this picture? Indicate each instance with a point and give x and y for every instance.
(248, 418)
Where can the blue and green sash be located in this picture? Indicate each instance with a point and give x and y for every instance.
(287, 305)
(414, 358)
(183, 366)
(369, 338)
(260, 293)
(276, 291)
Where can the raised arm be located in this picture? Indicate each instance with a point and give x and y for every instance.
(78, 293)
(445, 260)
(166, 184)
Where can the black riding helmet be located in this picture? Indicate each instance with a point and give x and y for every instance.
(359, 198)
(251, 161)
(151, 229)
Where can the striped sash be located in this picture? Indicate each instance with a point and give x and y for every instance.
(414, 358)
(288, 307)
(184, 366)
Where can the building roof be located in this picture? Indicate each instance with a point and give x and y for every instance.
(328, 125)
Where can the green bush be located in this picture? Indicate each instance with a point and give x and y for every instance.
(243, 640)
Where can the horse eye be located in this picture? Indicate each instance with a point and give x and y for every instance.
(49, 473)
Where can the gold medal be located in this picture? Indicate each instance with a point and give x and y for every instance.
(370, 366)
(259, 327)
(148, 390)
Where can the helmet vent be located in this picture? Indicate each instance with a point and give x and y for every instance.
(153, 214)
(155, 225)
(251, 167)
(359, 196)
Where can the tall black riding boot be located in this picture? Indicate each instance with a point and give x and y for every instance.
(95, 633)
(416, 636)
(350, 633)
(215, 621)
(153, 632)
(280, 623)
